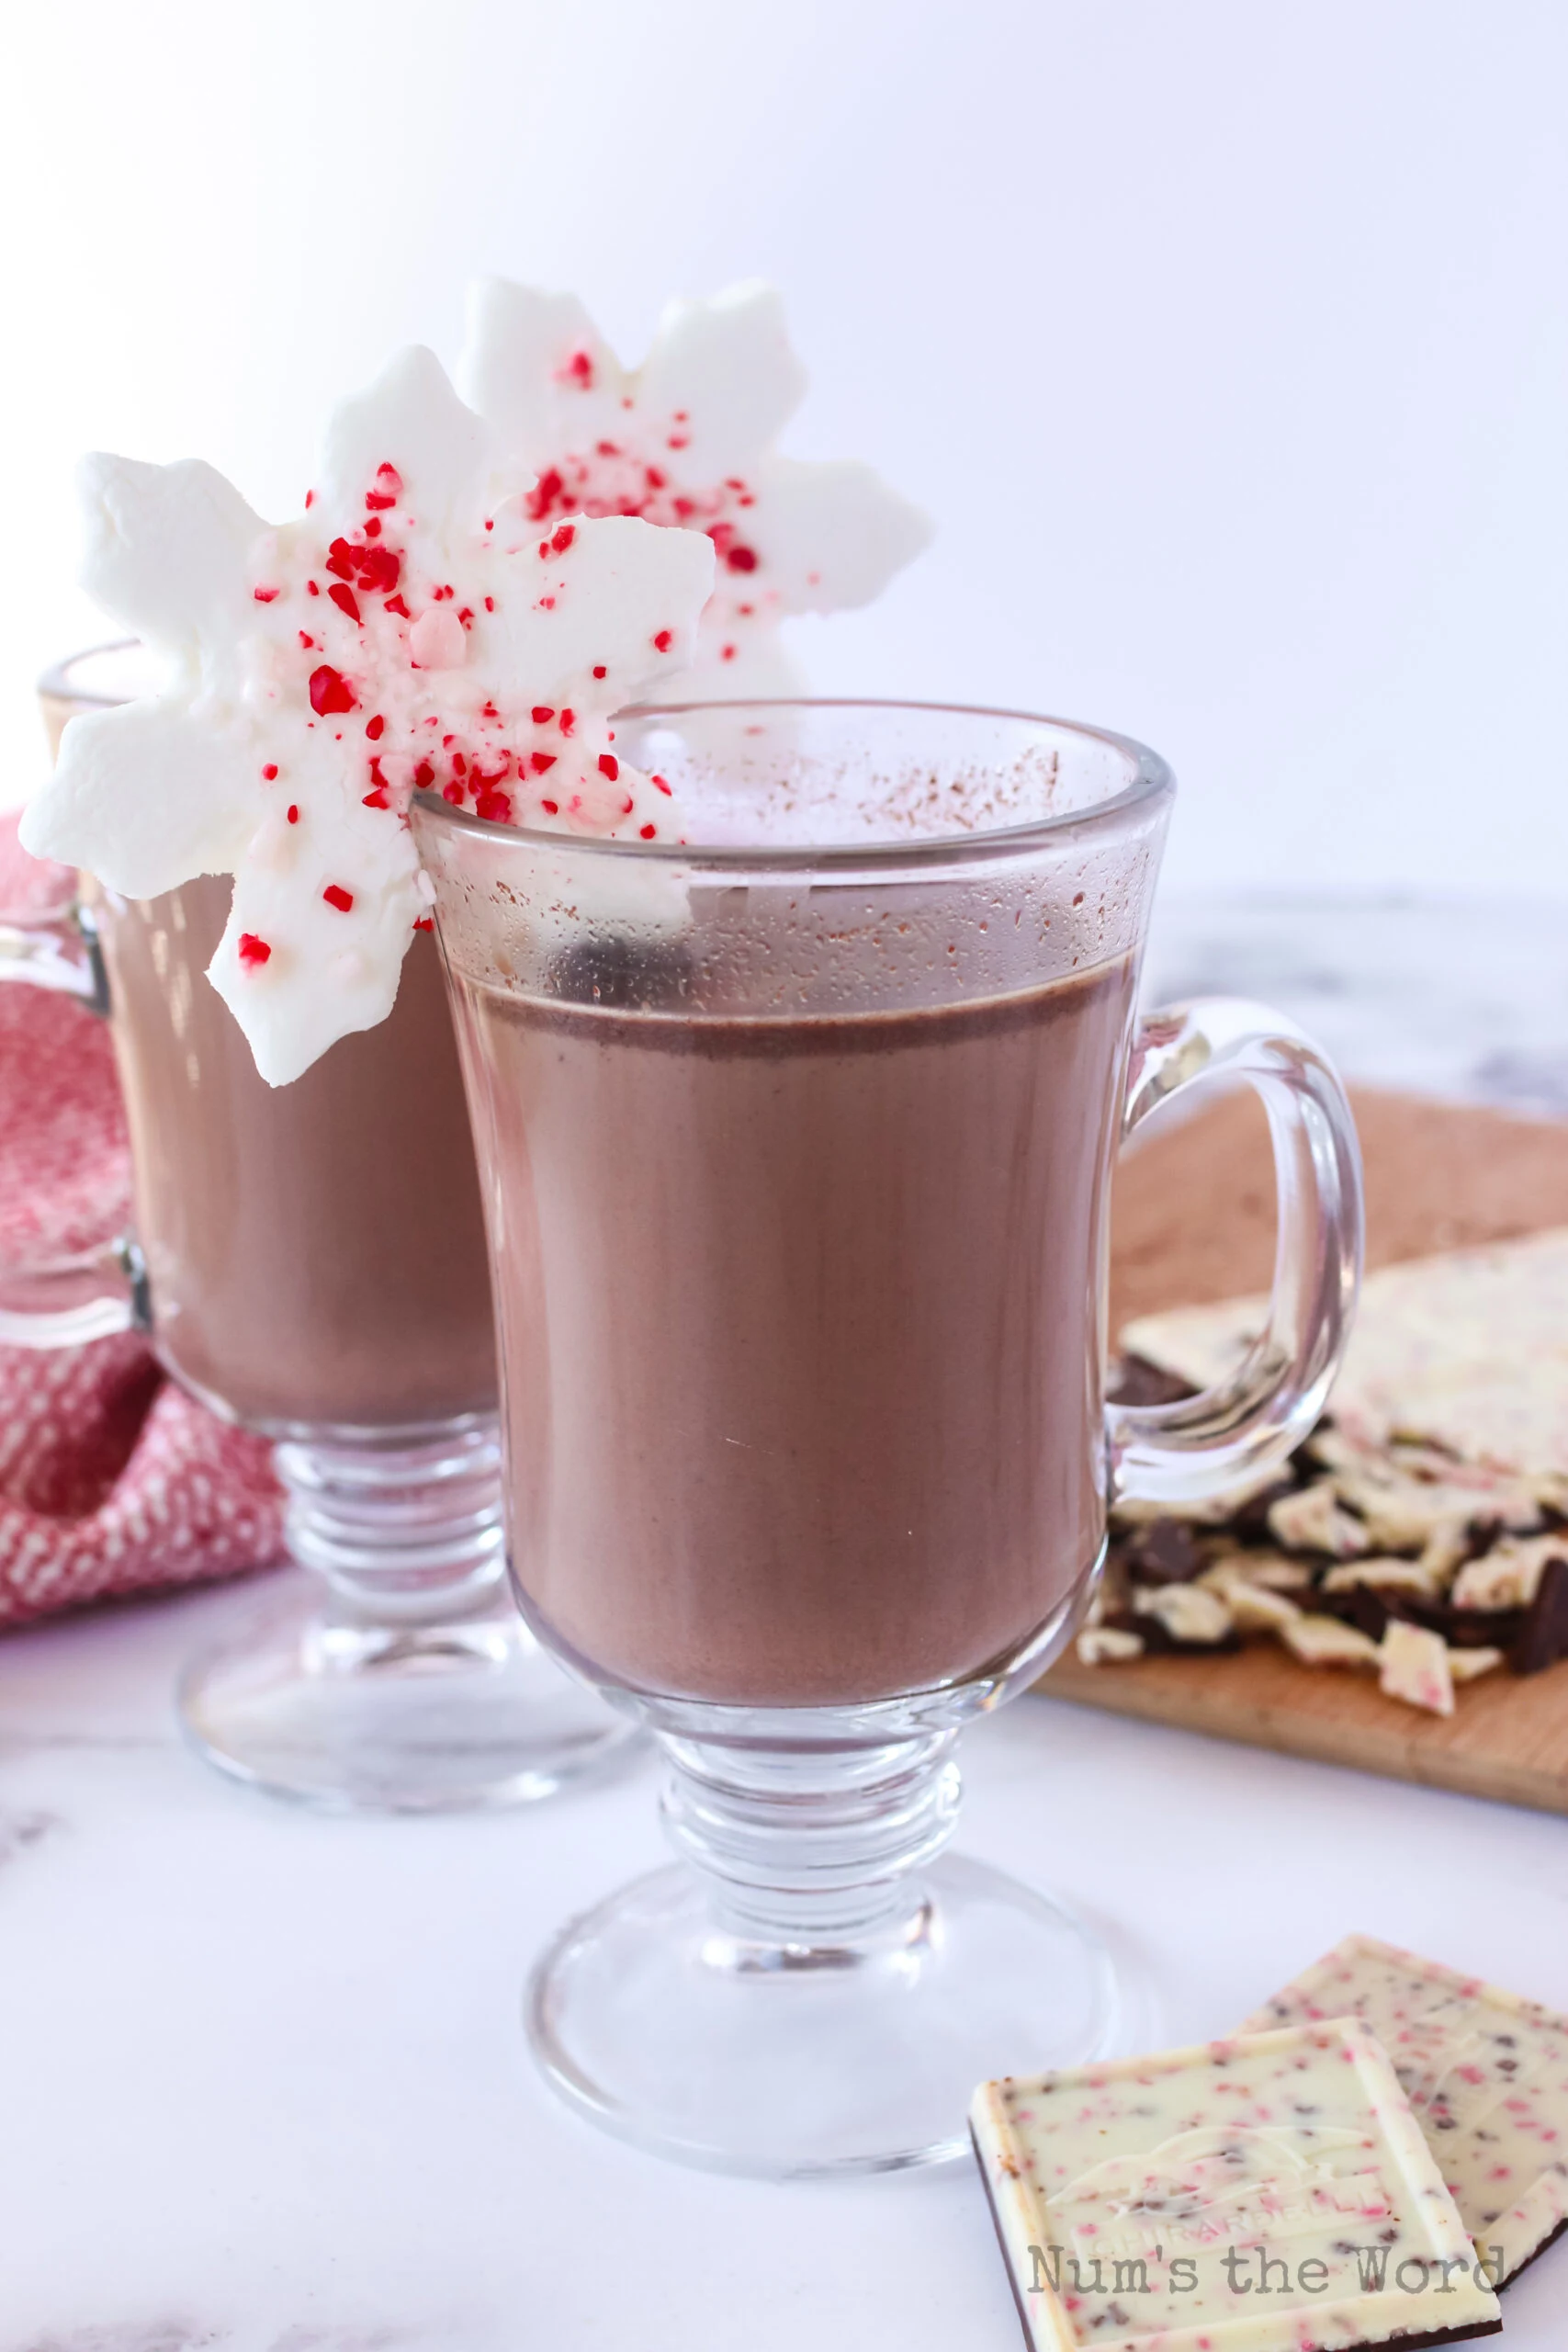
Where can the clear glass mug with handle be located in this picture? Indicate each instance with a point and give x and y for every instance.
(797, 1145)
(309, 1262)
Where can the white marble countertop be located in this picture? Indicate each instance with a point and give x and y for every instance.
(263, 2084)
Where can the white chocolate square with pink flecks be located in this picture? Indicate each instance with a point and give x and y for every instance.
(1270, 2193)
(1486, 2072)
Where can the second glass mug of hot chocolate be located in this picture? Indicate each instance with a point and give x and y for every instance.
(308, 1261)
(796, 1146)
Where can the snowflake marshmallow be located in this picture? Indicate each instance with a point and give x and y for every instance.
(417, 628)
(688, 439)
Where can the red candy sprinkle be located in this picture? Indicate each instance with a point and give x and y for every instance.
(609, 766)
(336, 896)
(377, 799)
(422, 923)
(740, 558)
(495, 807)
(307, 644)
(664, 787)
(330, 692)
(395, 605)
(568, 721)
(379, 570)
(664, 641)
(648, 832)
(544, 494)
(293, 813)
(264, 596)
(270, 771)
(253, 951)
(580, 367)
(550, 808)
(423, 776)
(453, 793)
(540, 761)
(387, 490)
(563, 538)
(345, 600)
(375, 728)
(599, 670)
(542, 712)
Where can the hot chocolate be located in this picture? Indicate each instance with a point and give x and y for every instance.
(315, 1251)
(803, 1321)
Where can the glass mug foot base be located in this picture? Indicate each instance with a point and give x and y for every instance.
(418, 1718)
(782, 2062)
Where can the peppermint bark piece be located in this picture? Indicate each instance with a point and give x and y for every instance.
(1486, 2072)
(1264, 2194)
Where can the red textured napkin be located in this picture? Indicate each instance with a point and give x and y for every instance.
(112, 1480)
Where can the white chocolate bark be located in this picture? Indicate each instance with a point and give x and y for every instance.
(1136, 2200)
(1486, 2072)
(1413, 1665)
(1466, 1353)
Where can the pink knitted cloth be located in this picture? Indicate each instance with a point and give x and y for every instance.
(112, 1480)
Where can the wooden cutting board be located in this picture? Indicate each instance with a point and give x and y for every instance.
(1194, 1221)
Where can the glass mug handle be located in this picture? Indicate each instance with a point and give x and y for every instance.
(67, 1300)
(1205, 1445)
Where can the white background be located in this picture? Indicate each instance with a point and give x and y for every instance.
(1226, 343)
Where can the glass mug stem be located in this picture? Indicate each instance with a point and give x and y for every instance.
(403, 1533)
(807, 1853)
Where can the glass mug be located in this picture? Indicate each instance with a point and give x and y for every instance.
(308, 1261)
(795, 1150)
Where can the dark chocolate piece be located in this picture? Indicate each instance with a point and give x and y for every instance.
(1163, 1553)
(1543, 1638)
(1134, 1381)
